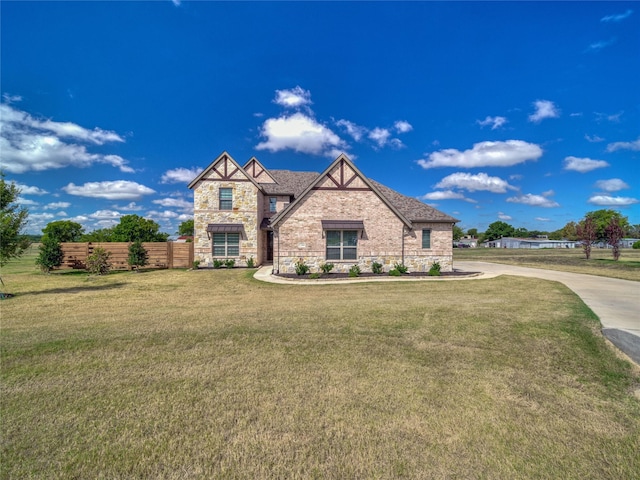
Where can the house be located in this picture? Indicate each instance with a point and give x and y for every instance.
(338, 216)
(532, 243)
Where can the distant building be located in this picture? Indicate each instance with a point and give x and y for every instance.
(531, 243)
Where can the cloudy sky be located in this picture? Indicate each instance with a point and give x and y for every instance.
(523, 112)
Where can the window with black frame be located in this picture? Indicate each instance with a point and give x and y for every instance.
(342, 244)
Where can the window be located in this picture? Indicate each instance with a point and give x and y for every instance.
(342, 244)
(226, 199)
(226, 244)
(426, 238)
(273, 204)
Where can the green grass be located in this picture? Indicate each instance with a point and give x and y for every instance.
(571, 260)
(211, 374)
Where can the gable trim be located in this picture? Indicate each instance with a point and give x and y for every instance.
(226, 176)
(250, 167)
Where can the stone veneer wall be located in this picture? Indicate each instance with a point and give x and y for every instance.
(302, 237)
(245, 211)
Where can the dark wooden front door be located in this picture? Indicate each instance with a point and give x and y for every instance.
(269, 246)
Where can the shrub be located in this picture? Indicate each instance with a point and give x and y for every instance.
(354, 271)
(301, 267)
(196, 264)
(314, 275)
(400, 268)
(50, 255)
(376, 268)
(636, 245)
(326, 267)
(394, 272)
(251, 263)
(229, 263)
(138, 255)
(217, 263)
(98, 261)
(434, 271)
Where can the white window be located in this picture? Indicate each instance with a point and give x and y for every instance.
(342, 244)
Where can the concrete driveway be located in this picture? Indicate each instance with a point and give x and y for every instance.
(616, 302)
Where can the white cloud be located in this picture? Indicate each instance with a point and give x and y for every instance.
(30, 144)
(176, 2)
(504, 216)
(175, 203)
(166, 215)
(544, 109)
(534, 200)
(294, 98)
(116, 190)
(29, 190)
(474, 183)
(543, 219)
(11, 98)
(617, 17)
(608, 201)
(583, 165)
(180, 175)
(402, 127)
(548, 193)
(484, 154)
(593, 139)
(380, 136)
(356, 131)
(105, 215)
(612, 185)
(495, 122)
(615, 146)
(25, 202)
(595, 47)
(300, 133)
(57, 205)
(443, 195)
(609, 117)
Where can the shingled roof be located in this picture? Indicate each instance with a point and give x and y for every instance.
(294, 183)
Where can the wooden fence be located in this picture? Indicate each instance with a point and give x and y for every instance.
(160, 254)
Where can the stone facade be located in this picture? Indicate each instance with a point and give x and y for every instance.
(385, 234)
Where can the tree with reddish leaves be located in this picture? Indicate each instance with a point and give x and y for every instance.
(614, 233)
(586, 232)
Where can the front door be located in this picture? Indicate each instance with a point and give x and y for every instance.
(270, 246)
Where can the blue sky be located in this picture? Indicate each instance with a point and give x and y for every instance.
(523, 112)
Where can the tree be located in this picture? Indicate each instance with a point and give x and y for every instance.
(614, 235)
(586, 231)
(187, 228)
(51, 254)
(12, 220)
(99, 235)
(521, 232)
(134, 227)
(63, 231)
(138, 256)
(498, 230)
(602, 219)
(98, 261)
(472, 232)
(457, 232)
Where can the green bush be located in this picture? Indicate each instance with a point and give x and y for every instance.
(98, 261)
(251, 263)
(434, 271)
(50, 254)
(314, 275)
(217, 263)
(138, 256)
(376, 268)
(326, 267)
(229, 263)
(301, 267)
(196, 264)
(354, 271)
(636, 245)
(400, 268)
(394, 272)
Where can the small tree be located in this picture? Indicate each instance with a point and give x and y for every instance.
(138, 255)
(12, 220)
(586, 232)
(98, 261)
(614, 234)
(186, 228)
(50, 254)
(63, 231)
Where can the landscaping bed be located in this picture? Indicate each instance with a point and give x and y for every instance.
(368, 275)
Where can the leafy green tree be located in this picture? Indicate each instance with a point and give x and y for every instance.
(138, 256)
(98, 261)
(12, 220)
(99, 235)
(472, 232)
(602, 218)
(134, 227)
(498, 230)
(636, 245)
(521, 232)
(63, 231)
(50, 254)
(457, 232)
(186, 228)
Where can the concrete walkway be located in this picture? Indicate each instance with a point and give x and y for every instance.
(615, 302)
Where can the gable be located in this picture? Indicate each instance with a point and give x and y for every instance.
(223, 168)
(258, 172)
